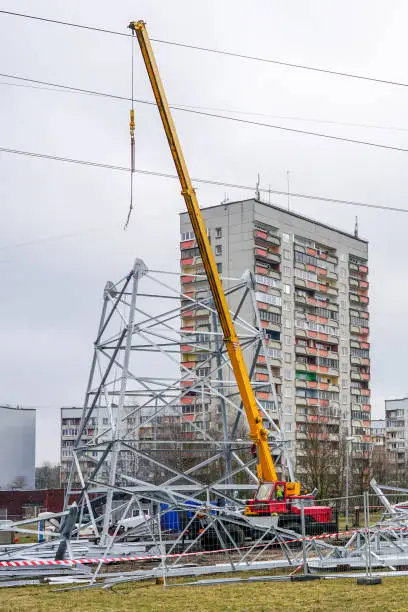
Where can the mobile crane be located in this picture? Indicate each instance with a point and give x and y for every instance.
(273, 496)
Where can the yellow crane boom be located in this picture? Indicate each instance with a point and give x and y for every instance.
(265, 469)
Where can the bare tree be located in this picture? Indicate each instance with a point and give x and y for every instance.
(19, 482)
(47, 476)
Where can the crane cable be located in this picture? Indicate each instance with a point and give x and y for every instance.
(132, 135)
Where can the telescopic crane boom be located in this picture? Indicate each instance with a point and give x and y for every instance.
(265, 468)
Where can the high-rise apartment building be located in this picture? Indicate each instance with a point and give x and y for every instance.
(17, 443)
(312, 293)
(378, 433)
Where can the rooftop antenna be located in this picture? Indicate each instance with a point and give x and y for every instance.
(226, 199)
(288, 183)
(257, 192)
(269, 196)
(356, 227)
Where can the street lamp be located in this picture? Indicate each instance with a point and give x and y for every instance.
(348, 450)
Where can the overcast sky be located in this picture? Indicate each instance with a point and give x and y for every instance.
(50, 290)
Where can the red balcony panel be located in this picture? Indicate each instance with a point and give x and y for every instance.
(322, 320)
(310, 268)
(311, 251)
(188, 328)
(187, 244)
(363, 269)
(261, 377)
(187, 348)
(189, 294)
(364, 315)
(261, 270)
(365, 376)
(311, 285)
(187, 400)
(262, 395)
(311, 334)
(261, 234)
(321, 336)
(364, 330)
(365, 392)
(364, 345)
(312, 317)
(322, 271)
(186, 383)
(322, 353)
(366, 423)
(366, 407)
(324, 403)
(187, 313)
(311, 384)
(365, 361)
(264, 323)
(188, 417)
(188, 364)
(261, 287)
(262, 252)
(322, 288)
(312, 401)
(187, 279)
(262, 305)
(323, 368)
(311, 350)
(323, 386)
(261, 359)
(312, 367)
(188, 261)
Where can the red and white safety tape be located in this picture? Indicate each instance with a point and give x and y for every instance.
(92, 560)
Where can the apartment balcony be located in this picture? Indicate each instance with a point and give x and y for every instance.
(267, 237)
(266, 255)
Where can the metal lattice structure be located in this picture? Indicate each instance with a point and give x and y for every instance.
(173, 436)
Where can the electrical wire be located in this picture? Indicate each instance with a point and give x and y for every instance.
(168, 175)
(57, 87)
(224, 52)
(201, 113)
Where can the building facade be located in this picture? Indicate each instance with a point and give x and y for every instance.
(17, 443)
(378, 433)
(311, 284)
(396, 422)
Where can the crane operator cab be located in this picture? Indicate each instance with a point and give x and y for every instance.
(272, 497)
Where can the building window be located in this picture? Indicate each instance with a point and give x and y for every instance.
(345, 399)
(219, 268)
(287, 392)
(286, 288)
(342, 319)
(287, 323)
(218, 232)
(187, 236)
(218, 249)
(342, 288)
(342, 273)
(287, 340)
(288, 357)
(344, 350)
(286, 271)
(285, 237)
(344, 383)
(288, 427)
(286, 254)
(343, 304)
(287, 374)
(286, 305)
(344, 367)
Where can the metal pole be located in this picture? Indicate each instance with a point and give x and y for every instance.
(347, 485)
(302, 518)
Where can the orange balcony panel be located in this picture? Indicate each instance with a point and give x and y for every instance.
(322, 336)
(322, 271)
(312, 351)
(187, 244)
(322, 288)
(261, 359)
(189, 294)
(322, 353)
(312, 334)
(323, 386)
(186, 383)
(263, 288)
(188, 328)
(311, 285)
(261, 234)
(312, 367)
(311, 384)
(313, 418)
(363, 299)
(366, 407)
(322, 319)
(262, 305)
(188, 364)
(365, 376)
(364, 284)
(261, 270)
(187, 313)
(187, 348)
(324, 403)
(364, 315)
(312, 302)
(365, 361)
(188, 261)
(261, 377)
(364, 345)
(187, 279)
(312, 401)
(262, 252)
(312, 317)
(365, 392)
(323, 368)
(311, 251)
(363, 269)
(187, 400)
(364, 330)
(262, 395)
(310, 268)
(264, 323)
(366, 423)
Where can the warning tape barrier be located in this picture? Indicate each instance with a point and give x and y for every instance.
(129, 558)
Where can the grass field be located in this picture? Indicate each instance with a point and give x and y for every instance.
(318, 595)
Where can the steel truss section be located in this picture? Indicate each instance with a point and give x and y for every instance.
(164, 435)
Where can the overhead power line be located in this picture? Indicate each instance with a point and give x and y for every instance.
(58, 87)
(168, 175)
(202, 113)
(264, 60)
